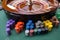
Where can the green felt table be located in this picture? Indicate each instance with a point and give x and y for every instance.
(53, 35)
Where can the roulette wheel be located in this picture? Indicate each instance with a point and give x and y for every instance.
(32, 9)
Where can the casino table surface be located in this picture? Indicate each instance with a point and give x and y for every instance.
(53, 35)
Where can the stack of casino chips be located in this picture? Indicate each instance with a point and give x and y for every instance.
(32, 30)
(40, 27)
(10, 25)
(19, 26)
(48, 24)
(29, 28)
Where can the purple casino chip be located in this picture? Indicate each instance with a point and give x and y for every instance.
(8, 31)
(9, 21)
(7, 25)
